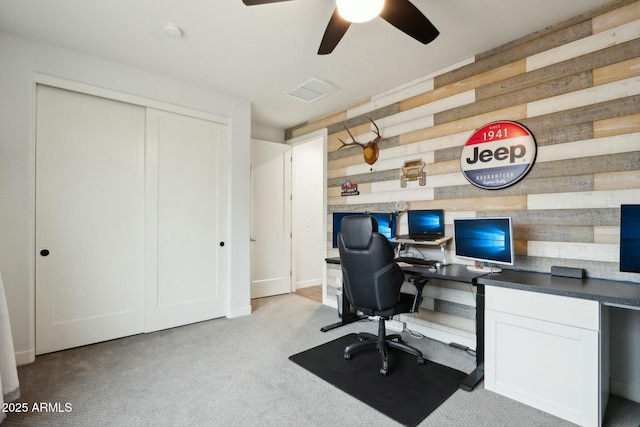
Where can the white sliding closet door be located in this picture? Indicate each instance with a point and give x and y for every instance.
(185, 220)
(89, 219)
(131, 219)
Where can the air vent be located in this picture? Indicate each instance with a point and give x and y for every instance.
(311, 90)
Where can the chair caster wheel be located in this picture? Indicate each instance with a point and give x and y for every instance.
(420, 361)
(385, 368)
(348, 356)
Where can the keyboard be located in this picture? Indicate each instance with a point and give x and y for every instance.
(420, 238)
(417, 261)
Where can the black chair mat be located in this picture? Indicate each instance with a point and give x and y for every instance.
(407, 394)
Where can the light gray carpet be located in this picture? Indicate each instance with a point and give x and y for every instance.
(236, 372)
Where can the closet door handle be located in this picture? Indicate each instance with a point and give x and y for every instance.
(44, 252)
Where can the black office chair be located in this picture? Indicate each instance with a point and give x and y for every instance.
(372, 281)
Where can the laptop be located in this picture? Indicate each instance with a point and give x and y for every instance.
(425, 225)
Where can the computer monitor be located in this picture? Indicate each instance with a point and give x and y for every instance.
(486, 241)
(386, 223)
(630, 238)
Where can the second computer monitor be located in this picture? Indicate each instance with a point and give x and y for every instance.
(386, 223)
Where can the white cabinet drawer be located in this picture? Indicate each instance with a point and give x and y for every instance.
(551, 308)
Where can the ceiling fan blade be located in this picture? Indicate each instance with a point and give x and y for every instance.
(403, 15)
(333, 34)
(257, 2)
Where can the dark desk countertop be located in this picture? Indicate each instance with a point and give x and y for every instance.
(455, 272)
(605, 291)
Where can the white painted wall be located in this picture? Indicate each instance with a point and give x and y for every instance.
(308, 216)
(266, 133)
(20, 59)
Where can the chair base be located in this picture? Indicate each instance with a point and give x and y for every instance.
(382, 341)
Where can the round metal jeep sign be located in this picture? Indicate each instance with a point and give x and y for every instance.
(498, 155)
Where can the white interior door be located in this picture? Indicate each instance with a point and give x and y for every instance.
(270, 219)
(185, 266)
(89, 219)
(308, 212)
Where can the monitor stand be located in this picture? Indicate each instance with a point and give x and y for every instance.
(481, 267)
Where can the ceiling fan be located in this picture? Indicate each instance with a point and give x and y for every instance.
(402, 14)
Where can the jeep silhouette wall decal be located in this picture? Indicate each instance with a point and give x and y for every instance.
(413, 170)
(498, 155)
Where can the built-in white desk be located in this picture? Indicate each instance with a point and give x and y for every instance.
(547, 340)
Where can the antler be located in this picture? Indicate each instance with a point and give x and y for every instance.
(377, 132)
(374, 141)
(344, 144)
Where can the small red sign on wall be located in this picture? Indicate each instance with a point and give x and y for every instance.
(350, 189)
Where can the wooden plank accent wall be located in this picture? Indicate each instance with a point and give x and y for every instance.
(575, 85)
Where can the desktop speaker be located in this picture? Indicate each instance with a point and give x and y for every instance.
(576, 273)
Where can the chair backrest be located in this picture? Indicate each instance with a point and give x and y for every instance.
(371, 279)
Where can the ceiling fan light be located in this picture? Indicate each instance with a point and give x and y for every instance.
(359, 10)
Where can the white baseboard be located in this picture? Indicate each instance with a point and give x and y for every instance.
(308, 283)
(626, 390)
(440, 333)
(330, 301)
(25, 357)
(239, 311)
(394, 325)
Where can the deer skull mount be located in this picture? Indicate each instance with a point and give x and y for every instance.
(370, 149)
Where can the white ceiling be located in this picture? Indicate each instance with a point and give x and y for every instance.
(260, 52)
